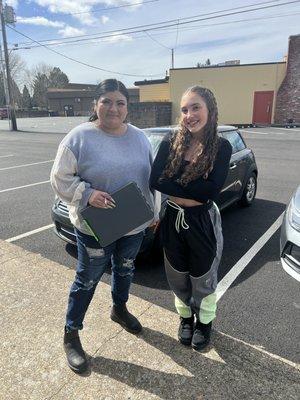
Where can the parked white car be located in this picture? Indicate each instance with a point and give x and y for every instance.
(290, 237)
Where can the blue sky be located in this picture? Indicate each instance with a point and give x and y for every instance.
(252, 37)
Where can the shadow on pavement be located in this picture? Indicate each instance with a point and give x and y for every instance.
(230, 370)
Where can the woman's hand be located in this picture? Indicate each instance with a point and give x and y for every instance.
(101, 200)
(154, 225)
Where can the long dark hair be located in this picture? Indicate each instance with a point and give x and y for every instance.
(207, 147)
(108, 85)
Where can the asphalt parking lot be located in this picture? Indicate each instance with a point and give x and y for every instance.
(261, 308)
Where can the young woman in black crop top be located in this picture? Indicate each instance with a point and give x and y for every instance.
(191, 167)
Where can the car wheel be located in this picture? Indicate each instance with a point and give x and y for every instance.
(249, 192)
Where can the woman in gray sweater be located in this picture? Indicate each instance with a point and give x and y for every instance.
(95, 159)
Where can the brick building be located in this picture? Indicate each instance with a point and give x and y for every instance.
(77, 99)
(288, 95)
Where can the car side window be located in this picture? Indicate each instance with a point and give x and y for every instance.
(235, 140)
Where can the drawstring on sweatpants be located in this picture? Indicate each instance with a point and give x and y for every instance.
(180, 221)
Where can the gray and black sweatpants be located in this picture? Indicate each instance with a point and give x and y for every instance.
(193, 243)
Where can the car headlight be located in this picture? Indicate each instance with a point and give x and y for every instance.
(294, 215)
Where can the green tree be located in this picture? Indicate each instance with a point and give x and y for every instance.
(40, 86)
(52, 77)
(26, 98)
(57, 78)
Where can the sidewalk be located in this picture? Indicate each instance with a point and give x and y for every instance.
(153, 365)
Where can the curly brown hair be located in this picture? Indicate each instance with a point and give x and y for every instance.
(207, 147)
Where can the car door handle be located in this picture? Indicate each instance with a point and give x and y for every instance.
(232, 166)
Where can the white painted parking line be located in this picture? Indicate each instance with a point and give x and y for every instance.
(271, 132)
(261, 133)
(43, 228)
(25, 186)
(258, 133)
(288, 129)
(9, 155)
(262, 350)
(239, 267)
(26, 165)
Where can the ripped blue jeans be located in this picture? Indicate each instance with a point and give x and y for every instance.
(92, 262)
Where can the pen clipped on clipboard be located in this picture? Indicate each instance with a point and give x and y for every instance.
(110, 224)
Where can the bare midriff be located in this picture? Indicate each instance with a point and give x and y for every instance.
(185, 202)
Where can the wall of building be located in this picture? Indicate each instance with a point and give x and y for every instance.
(82, 107)
(150, 114)
(155, 92)
(288, 97)
(81, 100)
(233, 86)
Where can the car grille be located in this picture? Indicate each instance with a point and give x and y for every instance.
(292, 257)
(65, 232)
(63, 208)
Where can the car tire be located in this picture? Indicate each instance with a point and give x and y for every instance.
(249, 191)
(155, 250)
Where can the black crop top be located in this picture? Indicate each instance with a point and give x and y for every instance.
(199, 189)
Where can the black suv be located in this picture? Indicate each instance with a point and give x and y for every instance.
(240, 185)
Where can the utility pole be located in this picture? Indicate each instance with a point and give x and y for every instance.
(3, 72)
(172, 58)
(9, 100)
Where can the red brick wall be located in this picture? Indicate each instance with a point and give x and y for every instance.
(288, 96)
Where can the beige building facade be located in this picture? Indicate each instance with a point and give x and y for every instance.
(154, 90)
(242, 91)
(258, 94)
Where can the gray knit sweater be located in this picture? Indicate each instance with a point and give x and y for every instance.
(89, 158)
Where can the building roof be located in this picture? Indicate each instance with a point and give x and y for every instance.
(81, 86)
(151, 82)
(66, 93)
(82, 90)
(229, 66)
(66, 90)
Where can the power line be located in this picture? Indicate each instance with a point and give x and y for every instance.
(81, 62)
(153, 25)
(112, 8)
(177, 33)
(156, 41)
(154, 28)
(171, 30)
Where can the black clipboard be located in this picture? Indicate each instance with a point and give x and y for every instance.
(131, 211)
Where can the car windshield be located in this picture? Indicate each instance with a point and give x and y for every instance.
(155, 136)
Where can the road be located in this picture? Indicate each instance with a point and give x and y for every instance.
(261, 308)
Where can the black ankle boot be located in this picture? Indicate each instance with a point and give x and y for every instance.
(185, 330)
(122, 316)
(201, 336)
(75, 354)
